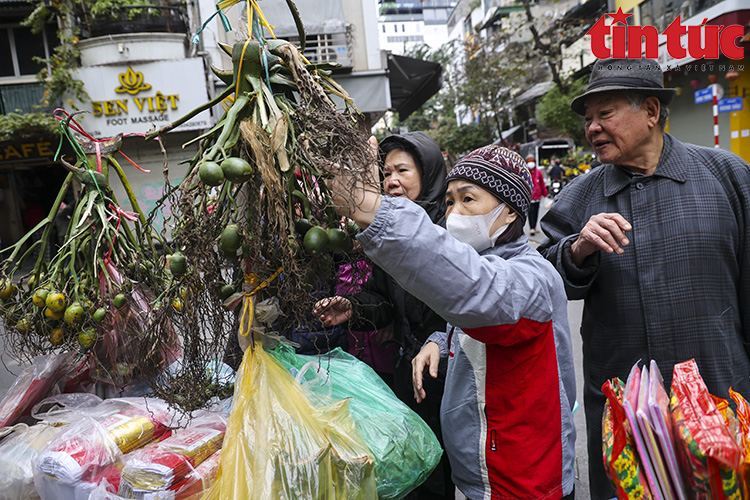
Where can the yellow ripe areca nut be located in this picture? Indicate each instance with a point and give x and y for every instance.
(73, 314)
(40, 297)
(56, 302)
(52, 315)
(56, 337)
(25, 325)
(178, 304)
(7, 289)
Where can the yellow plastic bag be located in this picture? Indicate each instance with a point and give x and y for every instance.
(283, 442)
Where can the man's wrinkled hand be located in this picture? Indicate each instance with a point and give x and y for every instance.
(605, 231)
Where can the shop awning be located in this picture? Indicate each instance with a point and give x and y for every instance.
(368, 90)
(534, 92)
(492, 16)
(507, 133)
(412, 82)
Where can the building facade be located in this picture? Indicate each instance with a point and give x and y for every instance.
(143, 69)
(405, 25)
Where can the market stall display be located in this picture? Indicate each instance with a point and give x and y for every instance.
(692, 448)
(252, 221)
(251, 238)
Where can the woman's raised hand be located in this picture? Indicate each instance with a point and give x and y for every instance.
(357, 196)
(333, 311)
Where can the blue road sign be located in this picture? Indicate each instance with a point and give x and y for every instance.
(704, 95)
(729, 105)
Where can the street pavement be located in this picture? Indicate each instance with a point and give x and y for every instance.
(575, 312)
(575, 309)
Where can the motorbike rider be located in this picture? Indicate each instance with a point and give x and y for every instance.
(555, 175)
(555, 171)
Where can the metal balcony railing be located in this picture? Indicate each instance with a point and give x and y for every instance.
(327, 48)
(23, 97)
(145, 18)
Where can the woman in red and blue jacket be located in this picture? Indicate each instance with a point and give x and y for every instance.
(506, 413)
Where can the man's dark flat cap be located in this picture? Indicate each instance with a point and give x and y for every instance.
(637, 75)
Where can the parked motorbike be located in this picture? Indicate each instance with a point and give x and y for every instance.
(555, 187)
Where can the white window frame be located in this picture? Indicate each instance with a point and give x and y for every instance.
(17, 77)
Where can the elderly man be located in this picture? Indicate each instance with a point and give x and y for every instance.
(656, 243)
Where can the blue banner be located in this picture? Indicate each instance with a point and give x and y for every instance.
(729, 105)
(704, 95)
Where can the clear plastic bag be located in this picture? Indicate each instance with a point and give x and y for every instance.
(17, 451)
(160, 466)
(24, 443)
(89, 451)
(33, 384)
(65, 408)
(280, 445)
(404, 448)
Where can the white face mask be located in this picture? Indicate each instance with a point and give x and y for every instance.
(475, 229)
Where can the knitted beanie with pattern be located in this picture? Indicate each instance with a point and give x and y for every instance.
(500, 171)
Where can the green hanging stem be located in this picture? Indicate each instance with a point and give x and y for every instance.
(166, 128)
(231, 122)
(136, 206)
(28, 252)
(52, 214)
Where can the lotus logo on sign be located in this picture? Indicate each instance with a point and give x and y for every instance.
(131, 82)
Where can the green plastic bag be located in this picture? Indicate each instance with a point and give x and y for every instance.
(404, 448)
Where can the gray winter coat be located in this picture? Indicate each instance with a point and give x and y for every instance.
(507, 409)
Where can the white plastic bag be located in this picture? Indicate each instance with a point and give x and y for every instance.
(17, 451)
(90, 451)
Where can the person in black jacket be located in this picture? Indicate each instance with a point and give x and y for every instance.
(412, 167)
